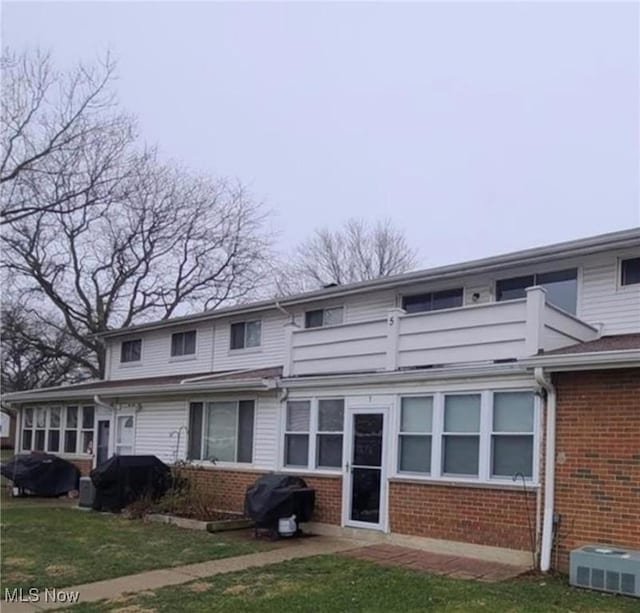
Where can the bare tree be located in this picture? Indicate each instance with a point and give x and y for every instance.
(356, 252)
(63, 135)
(35, 353)
(105, 235)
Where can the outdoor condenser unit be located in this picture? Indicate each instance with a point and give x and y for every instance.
(86, 493)
(607, 568)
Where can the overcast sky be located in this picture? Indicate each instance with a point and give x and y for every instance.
(478, 128)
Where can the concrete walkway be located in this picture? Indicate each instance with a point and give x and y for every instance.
(154, 579)
(454, 566)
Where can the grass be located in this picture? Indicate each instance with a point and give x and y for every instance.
(336, 584)
(57, 547)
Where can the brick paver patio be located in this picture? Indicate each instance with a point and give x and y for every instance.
(450, 565)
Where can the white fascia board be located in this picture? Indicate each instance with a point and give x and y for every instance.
(408, 376)
(244, 385)
(626, 358)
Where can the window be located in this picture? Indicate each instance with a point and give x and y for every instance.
(296, 436)
(221, 431)
(53, 444)
(461, 438)
(630, 271)
(324, 317)
(313, 435)
(433, 301)
(131, 351)
(55, 429)
(88, 418)
(561, 286)
(183, 343)
(329, 436)
(414, 444)
(71, 430)
(512, 436)
(485, 436)
(246, 334)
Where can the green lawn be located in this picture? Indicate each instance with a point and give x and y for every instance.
(57, 547)
(338, 584)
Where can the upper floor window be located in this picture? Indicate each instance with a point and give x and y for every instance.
(561, 286)
(319, 318)
(221, 431)
(131, 351)
(433, 301)
(246, 334)
(630, 271)
(183, 343)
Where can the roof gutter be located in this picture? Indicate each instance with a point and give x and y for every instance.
(407, 376)
(139, 390)
(584, 361)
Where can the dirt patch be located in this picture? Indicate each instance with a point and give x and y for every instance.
(134, 609)
(199, 586)
(18, 577)
(18, 562)
(60, 570)
(237, 589)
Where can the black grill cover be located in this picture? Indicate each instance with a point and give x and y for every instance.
(42, 474)
(274, 496)
(125, 478)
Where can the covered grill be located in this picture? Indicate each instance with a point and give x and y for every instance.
(275, 497)
(125, 478)
(41, 474)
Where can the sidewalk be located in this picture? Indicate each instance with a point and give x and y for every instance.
(154, 579)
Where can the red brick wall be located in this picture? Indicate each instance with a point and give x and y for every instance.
(598, 459)
(84, 466)
(227, 489)
(477, 515)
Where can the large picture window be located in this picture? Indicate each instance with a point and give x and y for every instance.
(56, 429)
(221, 431)
(485, 436)
(561, 286)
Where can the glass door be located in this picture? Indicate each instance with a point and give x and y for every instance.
(366, 482)
(124, 435)
(102, 450)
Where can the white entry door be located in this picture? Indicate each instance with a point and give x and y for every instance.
(365, 484)
(124, 435)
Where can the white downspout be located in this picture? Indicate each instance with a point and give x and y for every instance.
(549, 470)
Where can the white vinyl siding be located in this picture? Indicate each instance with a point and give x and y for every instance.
(157, 420)
(605, 300)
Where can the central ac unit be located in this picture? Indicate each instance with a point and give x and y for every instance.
(606, 567)
(86, 493)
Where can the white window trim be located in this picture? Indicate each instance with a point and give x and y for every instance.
(185, 356)
(486, 432)
(245, 349)
(323, 309)
(619, 286)
(78, 453)
(310, 468)
(399, 433)
(205, 417)
(116, 445)
(132, 363)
